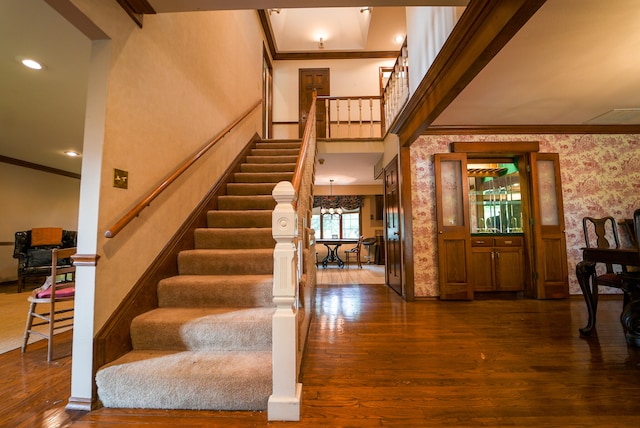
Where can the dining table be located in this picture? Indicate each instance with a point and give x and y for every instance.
(333, 246)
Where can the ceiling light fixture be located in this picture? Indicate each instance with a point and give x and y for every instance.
(399, 38)
(71, 153)
(331, 210)
(34, 65)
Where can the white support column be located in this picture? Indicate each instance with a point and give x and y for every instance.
(284, 403)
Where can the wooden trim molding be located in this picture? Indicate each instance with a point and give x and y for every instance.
(136, 9)
(503, 147)
(38, 167)
(307, 56)
(85, 259)
(484, 28)
(532, 129)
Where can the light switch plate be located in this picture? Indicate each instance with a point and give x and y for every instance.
(120, 178)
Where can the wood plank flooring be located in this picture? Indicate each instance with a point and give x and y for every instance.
(374, 360)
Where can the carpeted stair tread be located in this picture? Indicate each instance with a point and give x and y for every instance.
(250, 189)
(232, 218)
(275, 152)
(226, 262)
(268, 167)
(187, 380)
(243, 202)
(216, 290)
(262, 177)
(272, 159)
(234, 238)
(203, 329)
(278, 145)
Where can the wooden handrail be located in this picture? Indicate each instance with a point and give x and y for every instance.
(297, 175)
(363, 97)
(120, 224)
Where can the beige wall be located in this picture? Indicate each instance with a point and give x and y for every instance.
(172, 86)
(31, 199)
(600, 176)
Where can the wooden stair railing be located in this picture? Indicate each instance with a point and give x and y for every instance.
(146, 201)
(294, 245)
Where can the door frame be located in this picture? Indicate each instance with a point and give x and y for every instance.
(536, 283)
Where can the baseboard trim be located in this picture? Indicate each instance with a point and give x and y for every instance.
(79, 404)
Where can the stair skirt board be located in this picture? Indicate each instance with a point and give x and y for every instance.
(208, 344)
(187, 380)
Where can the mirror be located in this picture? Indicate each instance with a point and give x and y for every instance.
(495, 198)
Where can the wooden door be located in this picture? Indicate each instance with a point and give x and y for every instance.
(392, 227)
(310, 79)
(454, 236)
(550, 249)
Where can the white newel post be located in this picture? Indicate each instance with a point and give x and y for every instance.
(284, 403)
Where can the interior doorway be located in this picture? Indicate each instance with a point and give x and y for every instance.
(500, 222)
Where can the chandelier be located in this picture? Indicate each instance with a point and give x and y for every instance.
(331, 210)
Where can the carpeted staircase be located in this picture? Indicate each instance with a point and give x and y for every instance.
(208, 345)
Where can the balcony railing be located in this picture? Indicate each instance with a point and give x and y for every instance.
(352, 117)
(396, 90)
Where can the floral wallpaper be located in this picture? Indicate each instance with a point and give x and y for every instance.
(600, 176)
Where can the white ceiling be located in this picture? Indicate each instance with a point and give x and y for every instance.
(342, 29)
(573, 61)
(41, 112)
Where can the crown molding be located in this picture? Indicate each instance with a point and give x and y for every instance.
(532, 129)
(38, 167)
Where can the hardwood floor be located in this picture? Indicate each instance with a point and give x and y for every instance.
(374, 360)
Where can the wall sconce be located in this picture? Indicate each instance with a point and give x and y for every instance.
(271, 11)
(321, 44)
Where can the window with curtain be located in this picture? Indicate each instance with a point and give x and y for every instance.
(337, 226)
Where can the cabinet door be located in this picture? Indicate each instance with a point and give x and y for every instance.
(482, 269)
(508, 263)
(452, 209)
(550, 248)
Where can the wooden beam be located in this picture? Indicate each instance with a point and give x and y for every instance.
(484, 28)
(136, 9)
(532, 129)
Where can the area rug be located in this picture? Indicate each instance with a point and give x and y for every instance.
(13, 317)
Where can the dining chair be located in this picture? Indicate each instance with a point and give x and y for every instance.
(355, 251)
(43, 310)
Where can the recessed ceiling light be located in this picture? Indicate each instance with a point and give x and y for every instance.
(399, 38)
(71, 153)
(35, 65)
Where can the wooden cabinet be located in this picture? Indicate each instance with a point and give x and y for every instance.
(497, 263)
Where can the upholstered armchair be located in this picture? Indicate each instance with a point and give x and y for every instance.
(33, 251)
